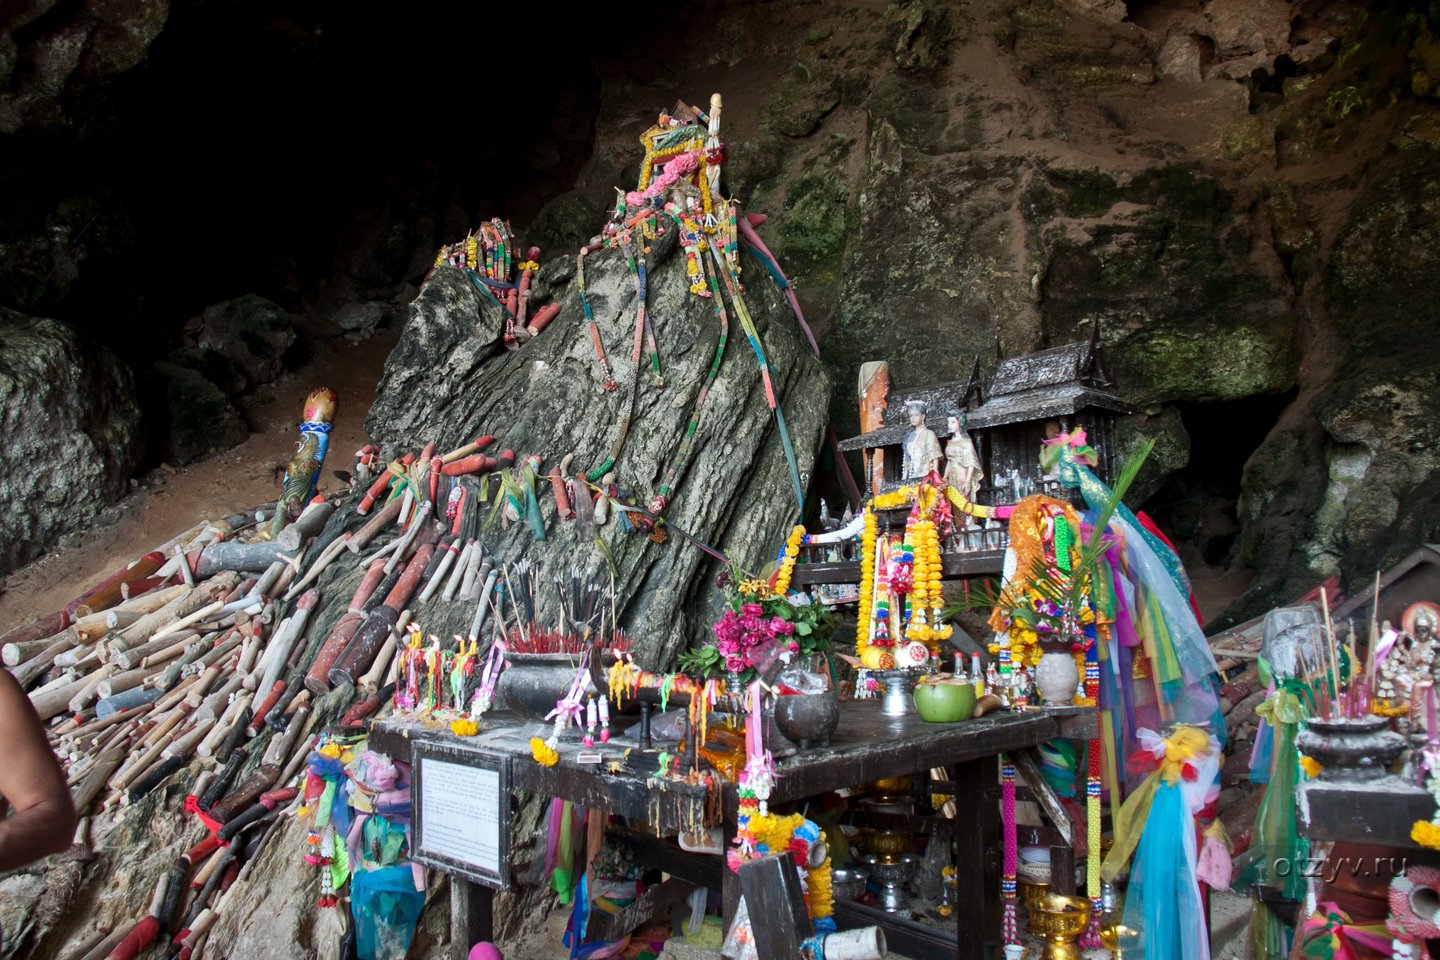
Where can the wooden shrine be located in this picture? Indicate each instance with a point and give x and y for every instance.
(1028, 399)
(1038, 396)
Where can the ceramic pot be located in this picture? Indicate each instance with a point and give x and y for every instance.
(1056, 677)
(945, 701)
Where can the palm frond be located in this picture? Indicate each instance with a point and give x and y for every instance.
(1066, 590)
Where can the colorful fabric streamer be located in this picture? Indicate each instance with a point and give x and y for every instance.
(1157, 824)
(1330, 934)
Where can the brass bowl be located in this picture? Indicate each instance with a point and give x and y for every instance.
(889, 844)
(891, 787)
(1032, 893)
(1060, 920)
(1118, 938)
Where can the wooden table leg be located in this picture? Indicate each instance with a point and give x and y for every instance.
(977, 858)
(1062, 869)
(729, 879)
(472, 915)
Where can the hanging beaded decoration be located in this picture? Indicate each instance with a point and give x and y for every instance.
(603, 362)
(1010, 932)
(1091, 937)
(690, 234)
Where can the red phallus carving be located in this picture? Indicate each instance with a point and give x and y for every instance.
(474, 446)
(361, 711)
(381, 482)
(543, 318)
(475, 463)
(106, 593)
(436, 464)
(557, 486)
(259, 716)
(373, 575)
(140, 937)
(459, 515)
(273, 798)
(318, 679)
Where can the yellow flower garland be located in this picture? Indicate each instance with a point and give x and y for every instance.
(867, 585)
(822, 900)
(895, 498)
(775, 831)
(787, 563)
(928, 598)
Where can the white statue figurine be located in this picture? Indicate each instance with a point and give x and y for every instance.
(921, 446)
(962, 463)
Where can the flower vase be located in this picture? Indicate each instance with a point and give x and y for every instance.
(734, 688)
(1056, 676)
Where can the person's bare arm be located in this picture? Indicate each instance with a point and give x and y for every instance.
(43, 817)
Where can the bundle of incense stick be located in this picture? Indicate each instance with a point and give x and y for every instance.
(199, 661)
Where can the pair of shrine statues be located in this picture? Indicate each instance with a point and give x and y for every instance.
(923, 454)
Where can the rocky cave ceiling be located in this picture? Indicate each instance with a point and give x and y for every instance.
(1242, 193)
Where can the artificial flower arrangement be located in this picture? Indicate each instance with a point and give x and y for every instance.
(759, 626)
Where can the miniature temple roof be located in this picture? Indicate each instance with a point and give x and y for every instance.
(1057, 382)
(940, 400)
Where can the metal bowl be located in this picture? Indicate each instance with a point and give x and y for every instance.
(1032, 893)
(1058, 917)
(848, 883)
(807, 721)
(889, 844)
(893, 872)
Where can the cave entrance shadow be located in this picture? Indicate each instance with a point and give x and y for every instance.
(1196, 506)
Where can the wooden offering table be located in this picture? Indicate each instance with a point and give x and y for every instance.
(867, 746)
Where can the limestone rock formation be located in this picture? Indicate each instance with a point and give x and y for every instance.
(78, 46)
(449, 380)
(1215, 183)
(240, 344)
(70, 428)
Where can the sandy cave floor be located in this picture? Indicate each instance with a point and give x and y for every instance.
(169, 500)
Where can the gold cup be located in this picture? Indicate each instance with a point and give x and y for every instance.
(1032, 892)
(891, 787)
(889, 844)
(1117, 938)
(1060, 920)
